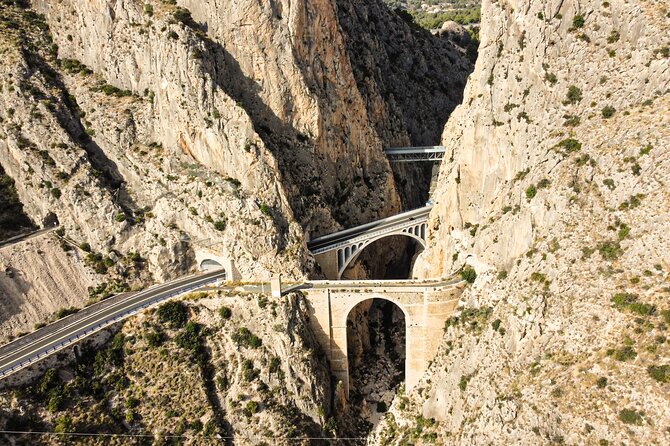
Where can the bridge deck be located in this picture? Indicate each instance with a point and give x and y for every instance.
(415, 154)
(330, 241)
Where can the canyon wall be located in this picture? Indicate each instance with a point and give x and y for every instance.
(554, 190)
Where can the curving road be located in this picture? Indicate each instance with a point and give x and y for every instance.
(47, 340)
(328, 242)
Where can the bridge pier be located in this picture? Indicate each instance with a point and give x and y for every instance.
(426, 309)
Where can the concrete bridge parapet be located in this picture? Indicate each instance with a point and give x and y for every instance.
(426, 308)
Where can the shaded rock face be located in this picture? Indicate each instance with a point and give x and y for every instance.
(410, 81)
(376, 342)
(557, 196)
(203, 115)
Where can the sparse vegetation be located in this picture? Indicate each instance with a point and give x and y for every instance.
(469, 274)
(531, 191)
(574, 95)
(608, 111)
(630, 416)
(173, 313)
(610, 250)
(660, 373)
(245, 338)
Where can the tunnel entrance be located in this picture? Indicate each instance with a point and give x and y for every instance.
(387, 258)
(210, 265)
(376, 351)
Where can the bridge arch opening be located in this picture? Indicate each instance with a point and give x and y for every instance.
(389, 257)
(209, 265)
(376, 354)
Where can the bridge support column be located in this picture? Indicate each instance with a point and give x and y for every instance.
(329, 264)
(426, 311)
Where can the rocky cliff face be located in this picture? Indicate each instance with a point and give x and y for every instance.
(556, 194)
(171, 128)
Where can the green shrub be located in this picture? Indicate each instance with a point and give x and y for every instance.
(665, 314)
(275, 362)
(172, 35)
(578, 21)
(610, 250)
(120, 217)
(63, 312)
(630, 416)
(660, 373)
(625, 353)
(502, 275)
(56, 193)
(245, 338)
(473, 319)
(265, 209)
(225, 313)
(154, 338)
(608, 111)
(531, 191)
(613, 37)
(463, 383)
(173, 313)
(250, 408)
(624, 299)
(570, 145)
(573, 95)
(601, 382)
(646, 149)
(148, 9)
(183, 15)
(551, 78)
(469, 274)
(642, 308)
(220, 225)
(571, 121)
(111, 90)
(545, 182)
(86, 247)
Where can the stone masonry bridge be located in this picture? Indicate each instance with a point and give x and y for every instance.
(426, 306)
(335, 252)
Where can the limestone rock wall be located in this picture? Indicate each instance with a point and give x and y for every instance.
(557, 196)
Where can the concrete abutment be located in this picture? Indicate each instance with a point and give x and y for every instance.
(425, 308)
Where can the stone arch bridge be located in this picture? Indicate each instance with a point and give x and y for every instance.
(426, 306)
(335, 252)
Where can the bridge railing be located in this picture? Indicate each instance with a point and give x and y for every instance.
(370, 235)
(368, 228)
(415, 154)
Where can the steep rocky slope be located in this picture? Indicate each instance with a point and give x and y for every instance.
(215, 368)
(557, 196)
(24, 301)
(162, 130)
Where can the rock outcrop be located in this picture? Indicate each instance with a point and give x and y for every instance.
(556, 194)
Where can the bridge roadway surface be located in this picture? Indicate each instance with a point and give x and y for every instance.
(415, 154)
(332, 241)
(23, 237)
(52, 338)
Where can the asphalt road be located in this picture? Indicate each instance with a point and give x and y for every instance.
(47, 340)
(385, 223)
(28, 236)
